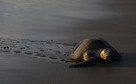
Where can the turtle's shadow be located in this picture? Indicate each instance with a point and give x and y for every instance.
(127, 60)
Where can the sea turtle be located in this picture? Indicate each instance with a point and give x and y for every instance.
(91, 51)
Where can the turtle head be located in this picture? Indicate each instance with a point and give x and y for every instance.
(88, 55)
(105, 54)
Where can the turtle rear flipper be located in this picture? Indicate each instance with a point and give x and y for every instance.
(83, 64)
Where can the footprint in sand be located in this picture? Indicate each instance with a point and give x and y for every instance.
(28, 52)
(17, 52)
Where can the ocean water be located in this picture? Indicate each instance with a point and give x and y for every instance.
(70, 20)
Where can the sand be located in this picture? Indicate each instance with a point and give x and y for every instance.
(22, 69)
(55, 26)
(51, 67)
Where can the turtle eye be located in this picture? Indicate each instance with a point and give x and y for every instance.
(106, 50)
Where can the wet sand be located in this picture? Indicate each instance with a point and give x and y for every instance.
(21, 69)
(67, 22)
(48, 62)
(70, 21)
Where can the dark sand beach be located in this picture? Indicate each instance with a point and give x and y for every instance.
(36, 37)
(26, 70)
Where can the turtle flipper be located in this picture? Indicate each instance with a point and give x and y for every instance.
(83, 64)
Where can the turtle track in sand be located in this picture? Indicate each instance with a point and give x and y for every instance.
(55, 52)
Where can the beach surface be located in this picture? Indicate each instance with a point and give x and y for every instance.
(37, 36)
(23, 69)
